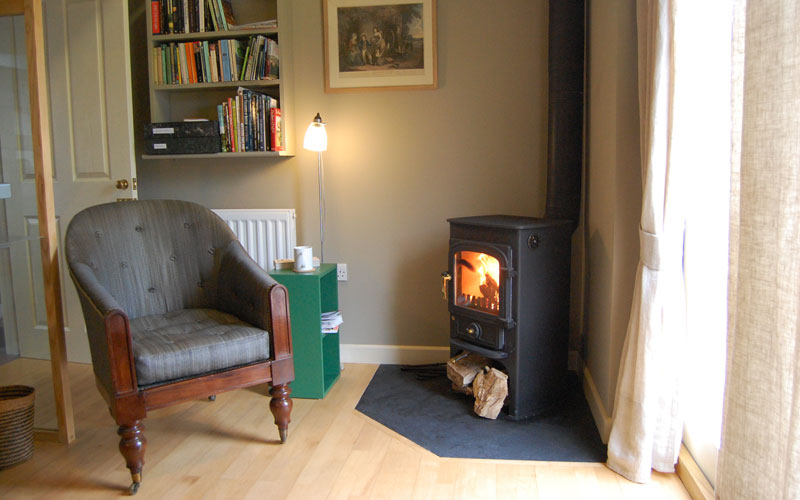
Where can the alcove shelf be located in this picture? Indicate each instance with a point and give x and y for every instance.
(176, 102)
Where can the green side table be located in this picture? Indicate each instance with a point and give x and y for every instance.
(316, 354)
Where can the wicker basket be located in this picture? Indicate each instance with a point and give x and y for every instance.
(16, 425)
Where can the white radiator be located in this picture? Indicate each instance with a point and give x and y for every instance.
(266, 234)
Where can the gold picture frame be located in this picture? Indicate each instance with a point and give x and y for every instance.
(379, 45)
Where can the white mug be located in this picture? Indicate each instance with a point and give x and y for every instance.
(303, 260)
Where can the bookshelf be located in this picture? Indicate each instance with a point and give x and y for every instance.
(176, 102)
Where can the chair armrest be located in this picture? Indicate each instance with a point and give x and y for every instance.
(246, 291)
(108, 329)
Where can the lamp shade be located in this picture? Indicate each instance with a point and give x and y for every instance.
(316, 138)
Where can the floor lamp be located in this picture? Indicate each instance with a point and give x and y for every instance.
(316, 139)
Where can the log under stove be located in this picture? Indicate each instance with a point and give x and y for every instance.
(507, 288)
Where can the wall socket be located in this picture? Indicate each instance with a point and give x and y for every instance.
(341, 272)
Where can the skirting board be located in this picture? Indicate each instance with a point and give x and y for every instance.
(692, 477)
(412, 354)
(394, 354)
(601, 418)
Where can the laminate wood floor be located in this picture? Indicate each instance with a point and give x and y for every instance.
(228, 449)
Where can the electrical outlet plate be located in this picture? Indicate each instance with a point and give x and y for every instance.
(341, 272)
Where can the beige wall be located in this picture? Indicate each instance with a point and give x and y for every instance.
(400, 163)
(614, 188)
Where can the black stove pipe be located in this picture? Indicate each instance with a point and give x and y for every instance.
(565, 109)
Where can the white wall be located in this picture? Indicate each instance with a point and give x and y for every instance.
(613, 196)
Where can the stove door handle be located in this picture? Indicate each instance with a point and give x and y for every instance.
(445, 278)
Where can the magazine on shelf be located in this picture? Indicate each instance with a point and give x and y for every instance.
(331, 321)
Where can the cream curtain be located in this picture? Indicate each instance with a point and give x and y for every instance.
(760, 453)
(646, 429)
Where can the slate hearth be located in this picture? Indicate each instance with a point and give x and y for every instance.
(430, 414)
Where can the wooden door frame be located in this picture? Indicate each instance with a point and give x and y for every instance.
(43, 167)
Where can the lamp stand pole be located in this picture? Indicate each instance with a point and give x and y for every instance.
(321, 180)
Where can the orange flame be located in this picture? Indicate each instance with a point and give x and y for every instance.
(489, 267)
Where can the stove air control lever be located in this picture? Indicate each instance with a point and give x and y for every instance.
(474, 330)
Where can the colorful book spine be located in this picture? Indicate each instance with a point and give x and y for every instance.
(226, 62)
(212, 14)
(276, 129)
(222, 135)
(233, 50)
(155, 16)
(233, 127)
(207, 63)
(176, 63)
(222, 21)
(212, 59)
(170, 17)
(184, 68)
(165, 66)
(191, 62)
(247, 56)
(197, 56)
(240, 124)
(273, 60)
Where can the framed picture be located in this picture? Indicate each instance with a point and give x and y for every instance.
(379, 44)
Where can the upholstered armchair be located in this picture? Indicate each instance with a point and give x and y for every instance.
(175, 310)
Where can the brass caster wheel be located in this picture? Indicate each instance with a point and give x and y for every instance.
(212, 398)
(283, 433)
(134, 488)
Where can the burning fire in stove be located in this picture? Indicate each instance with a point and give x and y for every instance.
(477, 281)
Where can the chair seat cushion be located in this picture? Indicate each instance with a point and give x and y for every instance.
(191, 342)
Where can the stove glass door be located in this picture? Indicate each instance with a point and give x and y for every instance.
(477, 281)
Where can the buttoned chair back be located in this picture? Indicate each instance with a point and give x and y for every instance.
(152, 256)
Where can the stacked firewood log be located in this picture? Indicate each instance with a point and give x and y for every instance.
(473, 375)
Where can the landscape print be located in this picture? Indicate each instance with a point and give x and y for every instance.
(381, 37)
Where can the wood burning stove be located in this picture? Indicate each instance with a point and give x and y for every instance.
(507, 288)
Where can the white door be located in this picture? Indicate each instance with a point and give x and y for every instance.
(91, 115)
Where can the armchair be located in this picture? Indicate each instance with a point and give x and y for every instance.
(175, 310)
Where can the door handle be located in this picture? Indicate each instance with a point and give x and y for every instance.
(122, 184)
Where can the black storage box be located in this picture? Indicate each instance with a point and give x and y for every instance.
(177, 138)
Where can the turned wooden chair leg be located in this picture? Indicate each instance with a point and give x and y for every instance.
(132, 445)
(281, 407)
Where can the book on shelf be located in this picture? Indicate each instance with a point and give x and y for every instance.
(211, 61)
(246, 122)
(272, 23)
(195, 16)
(276, 130)
(273, 59)
(212, 58)
(155, 14)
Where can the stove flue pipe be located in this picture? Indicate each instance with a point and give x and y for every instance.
(565, 109)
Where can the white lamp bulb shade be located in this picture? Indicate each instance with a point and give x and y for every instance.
(316, 138)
